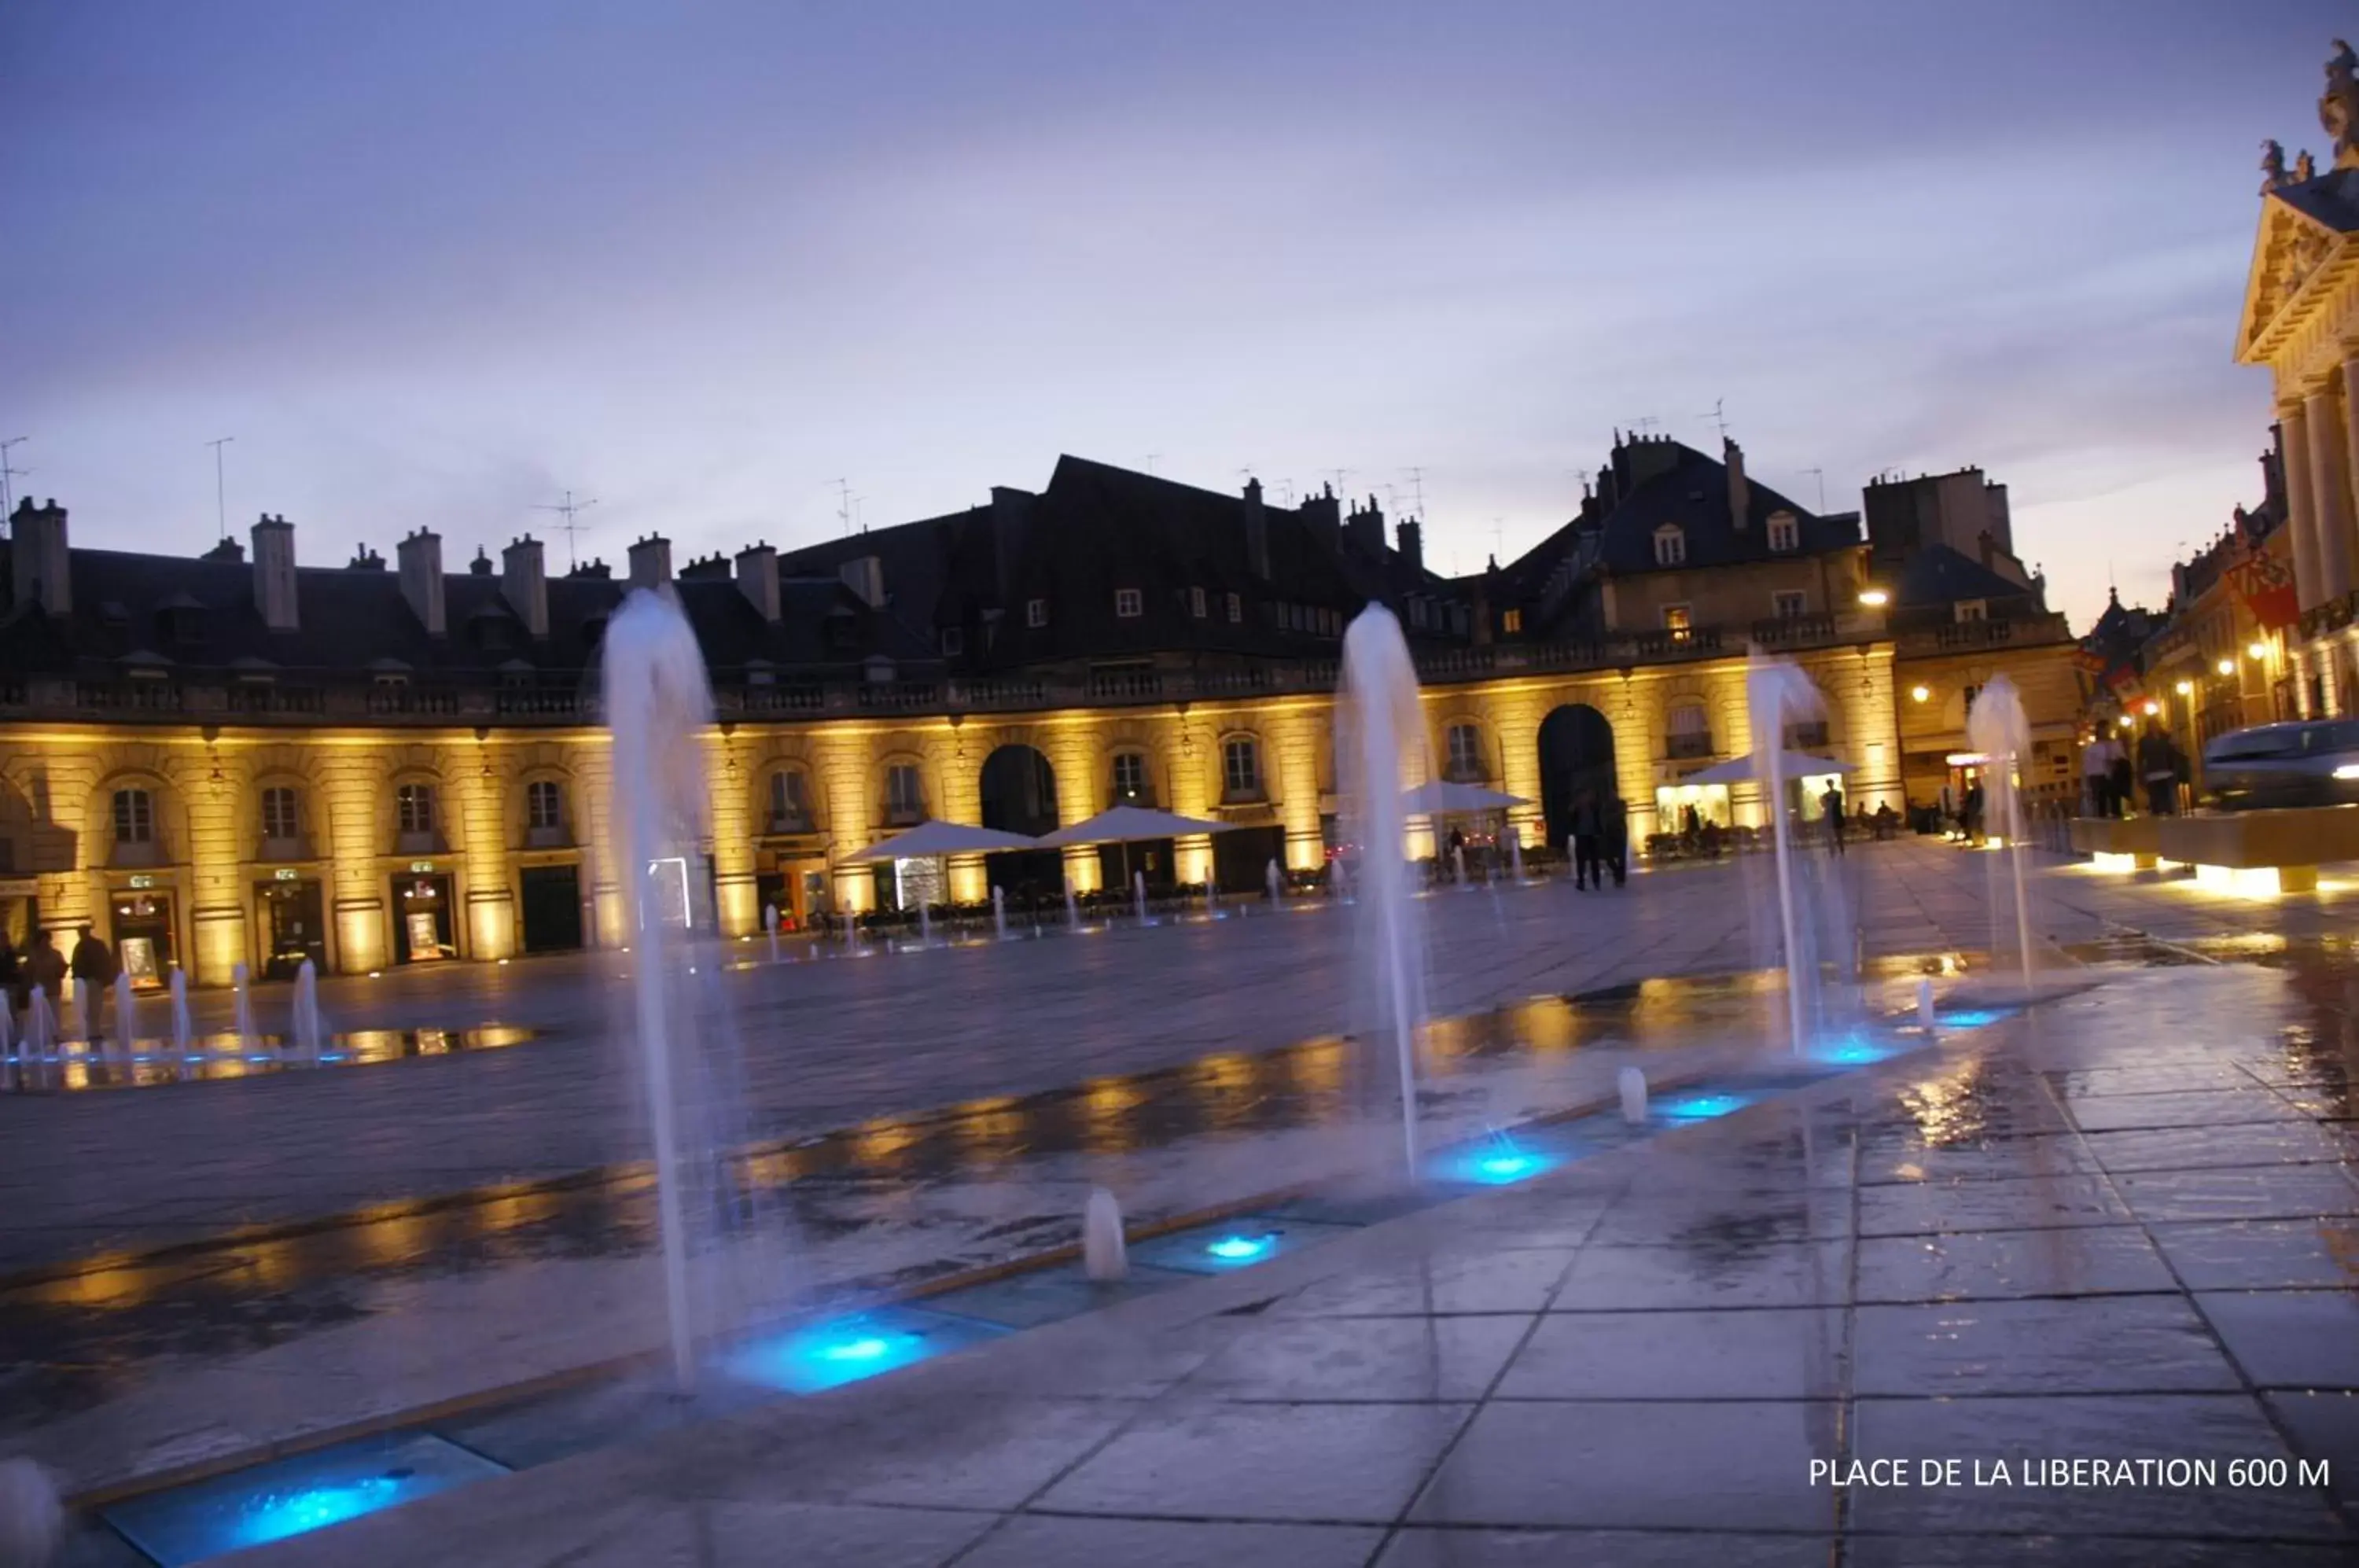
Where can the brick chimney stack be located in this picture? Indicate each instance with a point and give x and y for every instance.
(1257, 531)
(757, 579)
(1740, 490)
(42, 567)
(1412, 542)
(420, 558)
(523, 584)
(274, 574)
(651, 562)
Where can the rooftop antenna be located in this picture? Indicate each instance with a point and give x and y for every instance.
(1645, 425)
(858, 527)
(1820, 475)
(569, 507)
(1498, 537)
(1286, 492)
(221, 488)
(843, 504)
(1416, 489)
(1717, 418)
(1339, 475)
(1151, 459)
(6, 473)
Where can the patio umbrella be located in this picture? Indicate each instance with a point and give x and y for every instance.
(940, 838)
(1126, 825)
(1790, 764)
(1441, 798)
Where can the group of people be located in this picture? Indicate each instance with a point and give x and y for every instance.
(41, 965)
(1600, 840)
(2112, 774)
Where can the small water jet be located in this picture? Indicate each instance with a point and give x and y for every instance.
(40, 1023)
(1997, 727)
(1633, 1086)
(999, 913)
(308, 1033)
(184, 1031)
(1515, 853)
(1104, 1257)
(1779, 693)
(1925, 1004)
(1379, 751)
(126, 1014)
(1276, 884)
(80, 1010)
(770, 926)
(1138, 894)
(925, 923)
(242, 1017)
(1072, 906)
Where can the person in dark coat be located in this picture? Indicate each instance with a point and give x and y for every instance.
(1588, 829)
(44, 968)
(2157, 768)
(1970, 819)
(1831, 804)
(1617, 838)
(94, 971)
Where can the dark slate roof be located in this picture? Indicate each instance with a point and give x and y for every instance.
(1937, 574)
(1695, 495)
(2332, 198)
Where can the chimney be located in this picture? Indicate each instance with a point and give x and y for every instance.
(1412, 544)
(757, 579)
(651, 562)
(1257, 531)
(1987, 545)
(274, 573)
(1740, 492)
(1366, 526)
(1011, 517)
(420, 557)
(42, 567)
(523, 584)
(866, 576)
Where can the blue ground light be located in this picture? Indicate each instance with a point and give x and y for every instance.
(1494, 1162)
(1703, 1107)
(1241, 1249)
(808, 1358)
(293, 1496)
(1228, 1245)
(1970, 1018)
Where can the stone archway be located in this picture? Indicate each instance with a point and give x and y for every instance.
(1576, 747)
(1019, 787)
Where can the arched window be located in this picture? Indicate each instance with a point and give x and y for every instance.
(1130, 782)
(1670, 545)
(413, 808)
(905, 798)
(279, 818)
(1465, 764)
(544, 805)
(135, 817)
(1690, 731)
(790, 802)
(1240, 768)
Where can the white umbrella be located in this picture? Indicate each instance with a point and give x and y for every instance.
(1442, 797)
(1790, 764)
(941, 838)
(1126, 825)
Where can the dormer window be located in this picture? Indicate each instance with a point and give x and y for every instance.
(1236, 609)
(1129, 604)
(1970, 609)
(953, 642)
(1512, 623)
(1670, 545)
(1785, 532)
(1196, 602)
(1036, 612)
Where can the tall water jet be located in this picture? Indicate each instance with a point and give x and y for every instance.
(658, 704)
(41, 1024)
(770, 926)
(1276, 885)
(126, 1014)
(1996, 727)
(1779, 693)
(1925, 1004)
(307, 1010)
(1104, 1257)
(1458, 866)
(184, 1032)
(1138, 894)
(1632, 1084)
(999, 914)
(80, 1010)
(1516, 853)
(926, 922)
(1380, 751)
(1073, 908)
(242, 1018)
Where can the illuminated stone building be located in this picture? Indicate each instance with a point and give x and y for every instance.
(231, 760)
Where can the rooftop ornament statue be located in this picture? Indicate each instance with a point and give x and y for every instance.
(2338, 108)
(2273, 165)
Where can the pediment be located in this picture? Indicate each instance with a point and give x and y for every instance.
(2291, 249)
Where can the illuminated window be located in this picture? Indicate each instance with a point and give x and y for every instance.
(1127, 603)
(1513, 622)
(1677, 622)
(1129, 776)
(544, 804)
(1036, 612)
(1240, 768)
(1196, 602)
(278, 813)
(1670, 545)
(1785, 532)
(413, 806)
(1466, 752)
(135, 817)
(1970, 609)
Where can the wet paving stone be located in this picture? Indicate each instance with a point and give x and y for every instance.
(1915, 1550)
(2089, 1344)
(2264, 1255)
(2203, 1108)
(2290, 1339)
(2243, 1144)
(2127, 1426)
(1426, 1547)
(1442, 1358)
(2016, 1203)
(1036, 1541)
(1769, 1353)
(1513, 1466)
(1900, 1160)
(1768, 1274)
(1521, 1281)
(2324, 1426)
(2282, 1191)
(1994, 1265)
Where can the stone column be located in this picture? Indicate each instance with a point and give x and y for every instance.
(1074, 752)
(2293, 419)
(217, 826)
(2329, 494)
(484, 834)
(351, 778)
(728, 799)
(1295, 743)
(840, 767)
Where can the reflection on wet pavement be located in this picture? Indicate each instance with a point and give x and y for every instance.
(79, 1064)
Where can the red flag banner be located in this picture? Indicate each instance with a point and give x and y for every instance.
(2266, 588)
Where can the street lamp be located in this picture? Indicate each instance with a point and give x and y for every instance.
(1919, 693)
(2227, 666)
(2185, 688)
(2259, 651)
(1875, 598)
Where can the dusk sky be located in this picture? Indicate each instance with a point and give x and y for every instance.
(437, 263)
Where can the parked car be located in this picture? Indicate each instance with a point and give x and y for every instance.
(2300, 763)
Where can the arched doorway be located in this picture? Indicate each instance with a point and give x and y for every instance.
(1576, 748)
(1019, 795)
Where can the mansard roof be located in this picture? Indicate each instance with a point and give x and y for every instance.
(1937, 574)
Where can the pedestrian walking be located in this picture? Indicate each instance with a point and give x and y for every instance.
(1617, 838)
(94, 971)
(1588, 829)
(1830, 805)
(2157, 767)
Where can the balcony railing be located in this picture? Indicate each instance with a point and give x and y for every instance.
(1794, 631)
(304, 700)
(1686, 748)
